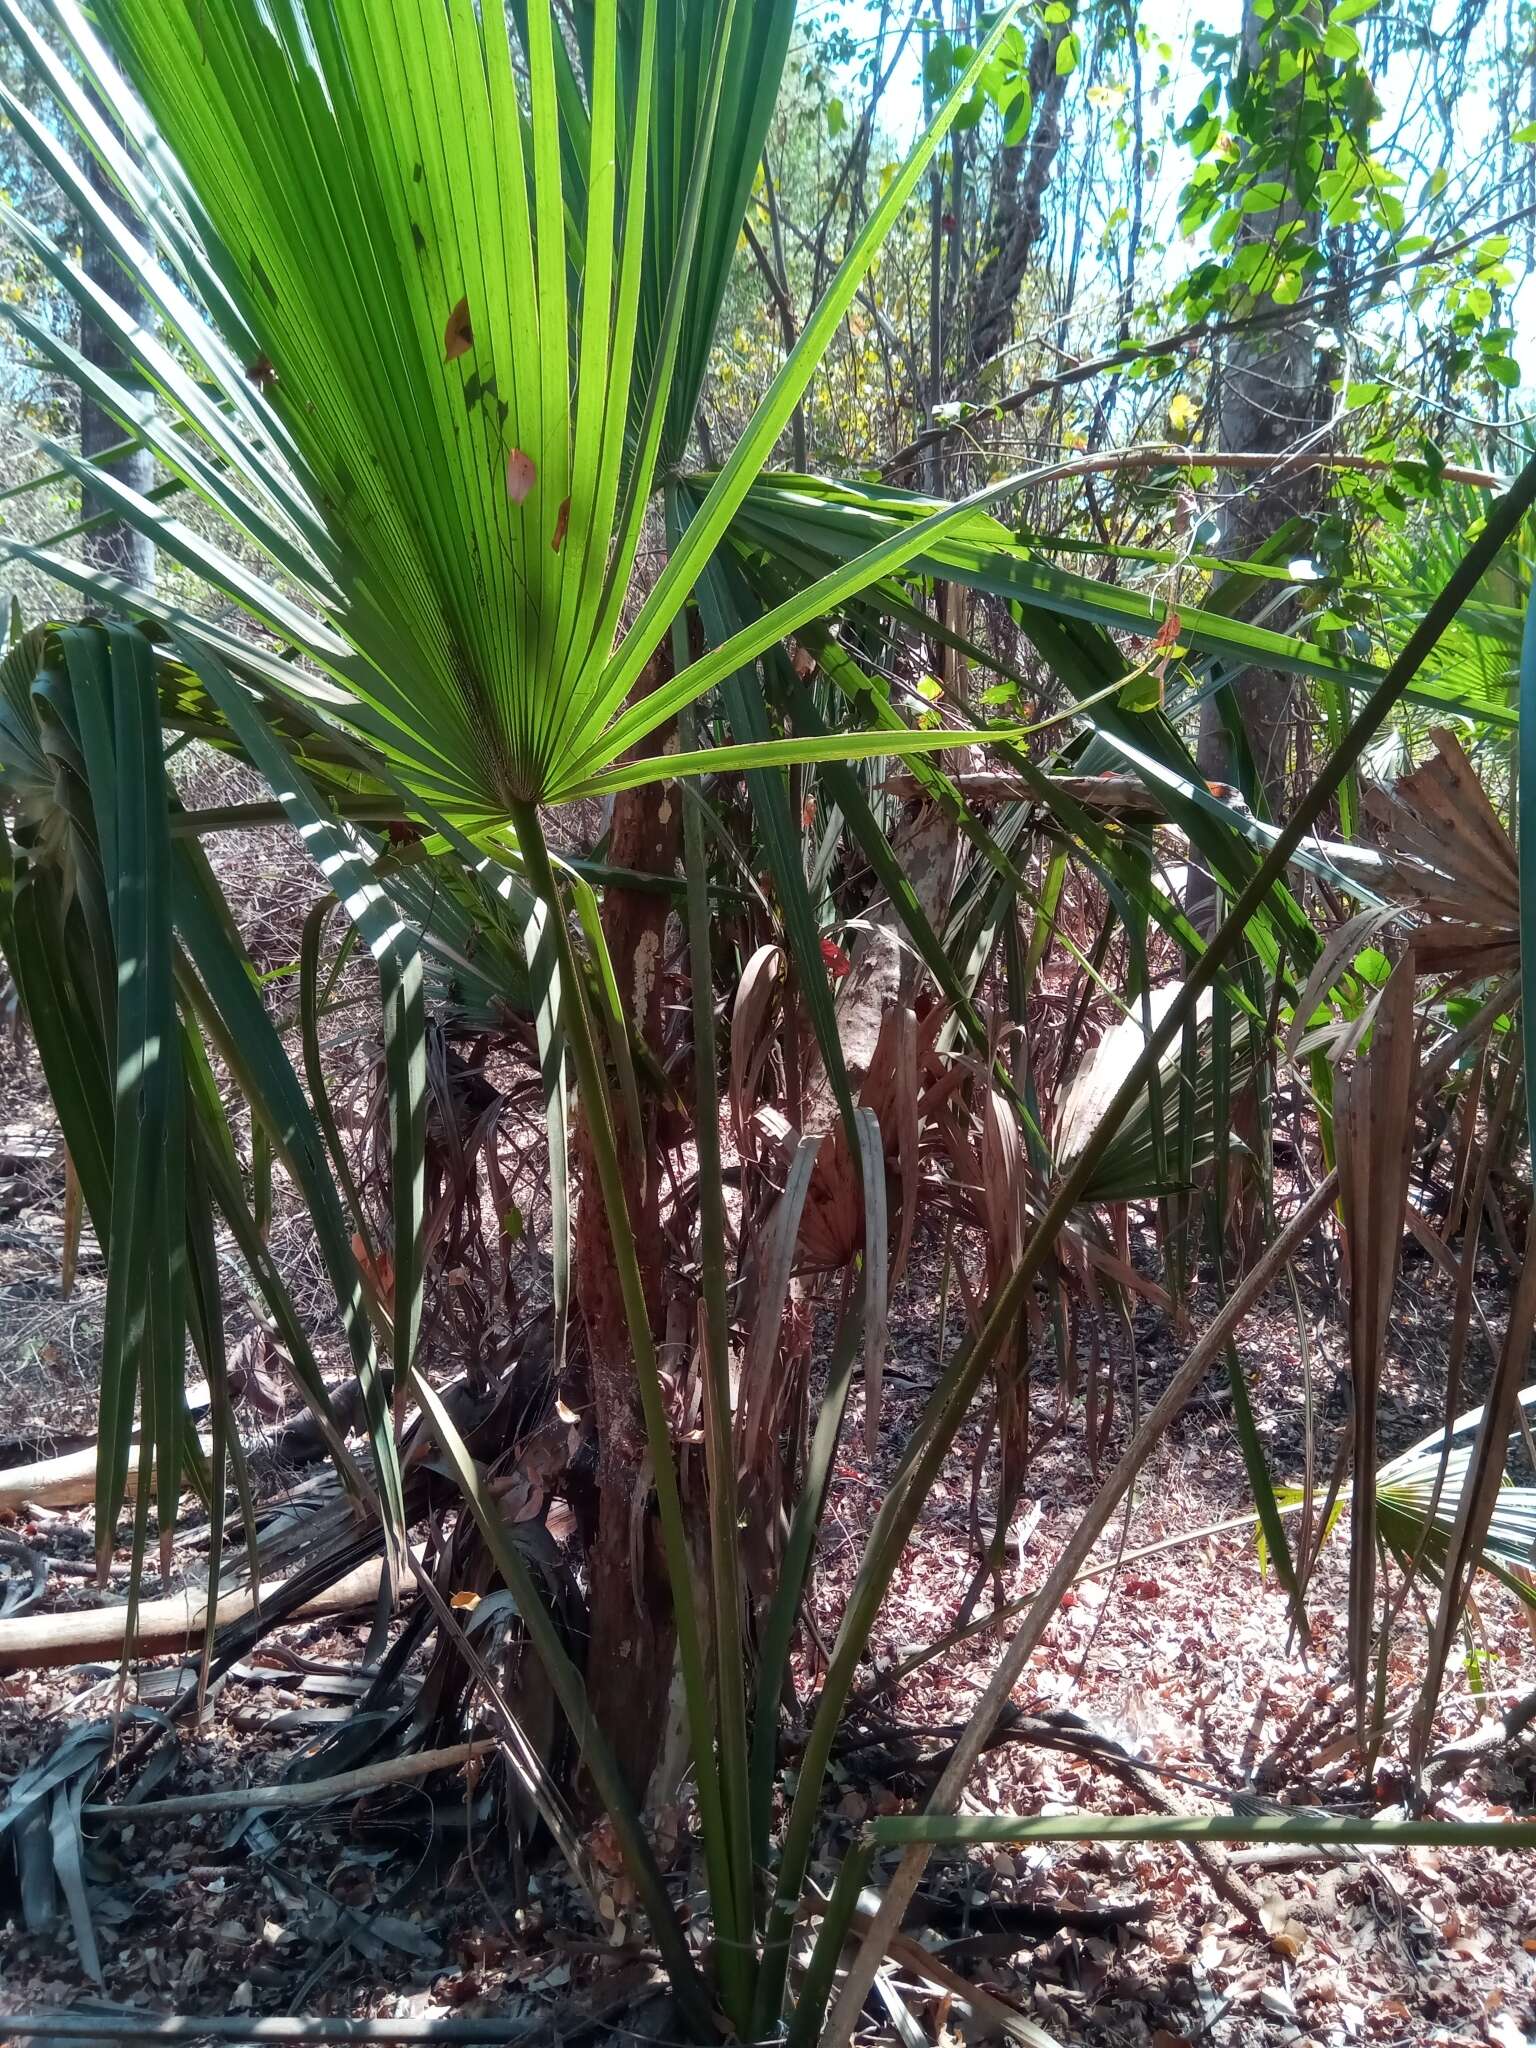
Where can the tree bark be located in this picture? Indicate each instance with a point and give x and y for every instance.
(1267, 403)
(630, 1658)
(1017, 212)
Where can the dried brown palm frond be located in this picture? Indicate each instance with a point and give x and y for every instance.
(1450, 858)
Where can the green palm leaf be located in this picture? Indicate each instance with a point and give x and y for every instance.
(378, 370)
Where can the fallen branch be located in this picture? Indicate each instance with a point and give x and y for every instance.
(393, 1770)
(67, 1482)
(33, 1642)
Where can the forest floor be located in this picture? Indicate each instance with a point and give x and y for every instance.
(1186, 1658)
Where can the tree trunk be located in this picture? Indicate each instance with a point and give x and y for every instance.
(1016, 216)
(629, 1665)
(1267, 402)
(115, 545)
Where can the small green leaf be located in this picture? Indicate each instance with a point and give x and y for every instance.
(1142, 693)
(1016, 112)
(1068, 54)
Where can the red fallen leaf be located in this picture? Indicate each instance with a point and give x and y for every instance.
(562, 520)
(1168, 632)
(402, 832)
(458, 335)
(1224, 790)
(1144, 1589)
(836, 959)
(948, 223)
(808, 814)
(521, 475)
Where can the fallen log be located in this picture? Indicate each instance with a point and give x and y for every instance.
(66, 1482)
(30, 1642)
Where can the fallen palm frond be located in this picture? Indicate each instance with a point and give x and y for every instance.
(1411, 1493)
(40, 1825)
(1478, 1498)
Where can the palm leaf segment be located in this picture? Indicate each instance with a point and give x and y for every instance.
(434, 297)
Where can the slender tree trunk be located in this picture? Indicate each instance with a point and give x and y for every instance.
(1016, 216)
(114, 545)
(629, 1664)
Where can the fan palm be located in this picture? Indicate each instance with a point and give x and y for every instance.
(433, 296)
(434, 288)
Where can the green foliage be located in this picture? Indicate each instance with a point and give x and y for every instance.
(436, 300)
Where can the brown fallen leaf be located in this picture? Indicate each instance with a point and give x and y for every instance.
(562, 520)
(458, 335)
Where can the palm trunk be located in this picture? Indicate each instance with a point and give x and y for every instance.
(631, 1656)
